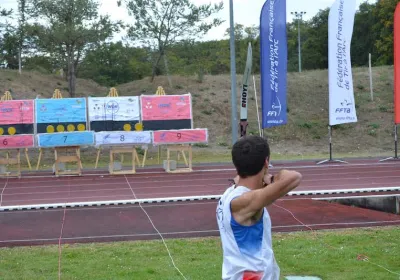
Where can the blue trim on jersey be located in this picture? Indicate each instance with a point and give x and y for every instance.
(248, 238)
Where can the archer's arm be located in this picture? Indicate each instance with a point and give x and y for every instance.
(250, 203)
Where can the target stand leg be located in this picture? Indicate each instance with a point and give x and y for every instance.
(39, 158)
(122, 150)
(144, 156)
(27, 159)
(9, 160)
(182, 149)
(67, 159)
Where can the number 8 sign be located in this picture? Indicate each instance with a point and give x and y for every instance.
(183, 136)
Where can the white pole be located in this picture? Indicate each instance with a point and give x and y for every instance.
(258, 115)
(234, 121)
(370, 79)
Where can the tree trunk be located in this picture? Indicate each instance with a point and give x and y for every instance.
(71, 78)
(167, 69)
(155, 65)
(19, 61)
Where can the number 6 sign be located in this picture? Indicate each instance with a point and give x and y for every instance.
(182, 136)
(16, 141)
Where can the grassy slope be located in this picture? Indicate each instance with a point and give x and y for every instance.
(296, 254)
(306, 132)
(31, 84)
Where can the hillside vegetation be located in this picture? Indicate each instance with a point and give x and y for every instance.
(307, 128)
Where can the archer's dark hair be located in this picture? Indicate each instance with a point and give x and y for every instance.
(249, 155)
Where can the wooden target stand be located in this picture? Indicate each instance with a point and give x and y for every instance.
(179, 149)
(60, 158)
(118, 150)
(9, 159)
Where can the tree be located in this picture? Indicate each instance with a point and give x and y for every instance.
(239, 31)
(5, 32)
(384, 17)
(22, 5)
(160, 23)
(9, 51)
(315, 46)
(72, 28)
(113, 63)
(4, 26)
(364, 37)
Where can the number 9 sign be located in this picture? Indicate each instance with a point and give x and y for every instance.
(180, 136)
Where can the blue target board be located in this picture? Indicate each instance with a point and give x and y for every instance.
(61, 115)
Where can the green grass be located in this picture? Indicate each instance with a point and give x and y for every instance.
(201, 154)
(296, 253)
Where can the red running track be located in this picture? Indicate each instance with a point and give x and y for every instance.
(212, 180)
(186, 219)
(183, 219)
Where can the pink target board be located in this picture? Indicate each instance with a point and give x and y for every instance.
(166, 107)
(16, 112)
(181, 136)
(16, 141)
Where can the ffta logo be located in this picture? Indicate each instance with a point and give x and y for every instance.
(343, 110)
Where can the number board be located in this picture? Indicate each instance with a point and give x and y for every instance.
(113, 113)
(184, 136)
(60, 115)
(165, 112)
(64, 139)
(17, 141)
(16, 117)
(123, 138)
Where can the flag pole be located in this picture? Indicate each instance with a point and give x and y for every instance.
(330, 150)
(233, 76)
(396, 92)
(258, 113)
(395, 147)
(245, 92)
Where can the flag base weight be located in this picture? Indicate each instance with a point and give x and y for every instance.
(395, 158)
(390, 158)
(330, 160)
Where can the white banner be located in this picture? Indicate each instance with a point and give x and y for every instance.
(341, 94)
(123, 138)
(124, 108)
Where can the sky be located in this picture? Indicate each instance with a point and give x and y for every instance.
(246, 12)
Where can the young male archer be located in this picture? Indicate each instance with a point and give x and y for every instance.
(243, 220)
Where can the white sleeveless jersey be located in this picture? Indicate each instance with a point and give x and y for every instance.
(245, 248)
